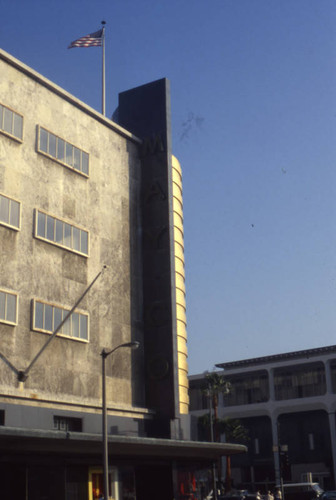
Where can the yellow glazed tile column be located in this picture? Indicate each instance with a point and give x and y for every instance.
(180, 288)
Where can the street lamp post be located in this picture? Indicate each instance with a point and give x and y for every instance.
(214, 486)
(104, 354)
(281, 449)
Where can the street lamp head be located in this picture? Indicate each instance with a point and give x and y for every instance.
(131, 345)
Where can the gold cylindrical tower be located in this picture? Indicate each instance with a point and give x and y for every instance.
(180, 287)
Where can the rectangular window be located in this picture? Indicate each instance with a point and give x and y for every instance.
(61, 233)
(62, 151)
(247, 388)
(198, 397)
(11, 123)
(9, 212)
(47, 317)
(43, 141)
(8, 307)
(301, 381)
(67, 424)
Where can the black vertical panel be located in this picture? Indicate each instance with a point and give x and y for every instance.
(46, 482)
(154, 481)
(13, 478)
(145, 111)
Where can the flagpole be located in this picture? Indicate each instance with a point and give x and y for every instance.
(103, 71)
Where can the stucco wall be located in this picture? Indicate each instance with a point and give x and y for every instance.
(106, 204)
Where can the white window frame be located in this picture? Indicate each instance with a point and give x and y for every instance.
(65, 310)
(2, 118)
(15, 294)
(63, 222)
(55, 157)
(7, 224)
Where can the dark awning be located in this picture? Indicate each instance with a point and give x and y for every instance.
(15, 440)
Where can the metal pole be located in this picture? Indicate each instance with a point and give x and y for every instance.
(103, 69)
(23, 374)
(214, 488)
(104, 425)
(211, 420)
(104, 354)
(280, 466)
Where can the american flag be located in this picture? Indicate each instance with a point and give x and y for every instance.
(92, 40)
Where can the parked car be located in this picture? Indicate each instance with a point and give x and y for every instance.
(232, 497)
(329, 495)
(302, 491)
(241, 495)
(253, 496)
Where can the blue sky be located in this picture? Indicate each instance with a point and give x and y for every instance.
(253, 87)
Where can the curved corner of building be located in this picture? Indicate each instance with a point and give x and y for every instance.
(181, 327)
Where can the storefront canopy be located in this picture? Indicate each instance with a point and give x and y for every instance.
(14, 440)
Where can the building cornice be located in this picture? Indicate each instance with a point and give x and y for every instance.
(275, 358)
(34, 75)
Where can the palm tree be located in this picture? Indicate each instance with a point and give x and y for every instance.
(216, 384)
(232, 428)
(234, 432)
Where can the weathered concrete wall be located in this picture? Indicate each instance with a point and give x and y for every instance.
(106, 204)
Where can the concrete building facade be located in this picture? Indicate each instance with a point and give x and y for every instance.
(287, 403)
(86, 201)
